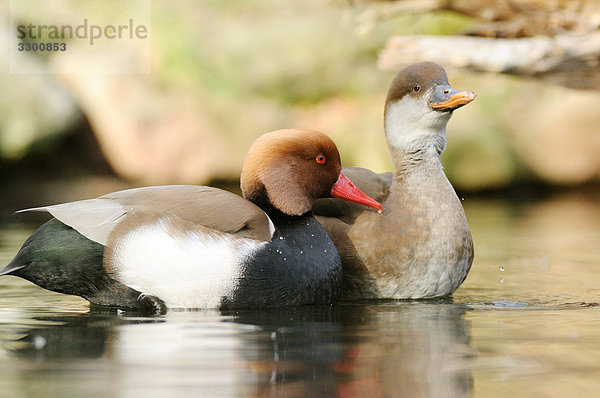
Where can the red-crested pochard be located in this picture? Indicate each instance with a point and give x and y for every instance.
(421, 246)
(201, 247)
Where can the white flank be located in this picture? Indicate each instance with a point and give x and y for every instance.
(186, 269)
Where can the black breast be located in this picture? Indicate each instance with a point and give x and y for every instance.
(300, 265)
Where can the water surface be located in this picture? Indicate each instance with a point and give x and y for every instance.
(526, 323)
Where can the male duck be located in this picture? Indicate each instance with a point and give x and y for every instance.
(202, 247)
(420, 247)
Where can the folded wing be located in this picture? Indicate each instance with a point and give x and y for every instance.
(205, 206)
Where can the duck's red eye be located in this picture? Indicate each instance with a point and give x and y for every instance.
(321, 159)
(416, 87)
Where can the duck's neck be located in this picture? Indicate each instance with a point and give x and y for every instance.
(414, 150)
(276, 215)
(414, 138)
(412, 159)
(283, 221)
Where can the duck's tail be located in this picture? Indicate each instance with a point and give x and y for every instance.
(11, 267)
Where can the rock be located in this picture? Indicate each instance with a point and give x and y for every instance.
(556, 133)
(153, 135)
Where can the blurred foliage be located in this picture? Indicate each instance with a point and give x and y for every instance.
(291, 55)
(480, 154)
(249, 67)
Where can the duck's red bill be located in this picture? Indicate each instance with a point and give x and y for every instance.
(345, 189)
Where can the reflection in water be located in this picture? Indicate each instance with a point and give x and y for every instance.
(72, 337)
(364, 350)
(414, 350)
(541, 253)
(524, 324)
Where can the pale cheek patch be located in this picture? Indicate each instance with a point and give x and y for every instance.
(186, 269)
(411, 124)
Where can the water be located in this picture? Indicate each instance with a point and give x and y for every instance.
(524, 324)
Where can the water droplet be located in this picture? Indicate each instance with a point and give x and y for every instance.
(462, 198)
(301, 251)
(278, 251)
(281, 238)
(285, 259)
(325, 251)
(312, 235)
(39, 342)
(501, 280)
(501, 268)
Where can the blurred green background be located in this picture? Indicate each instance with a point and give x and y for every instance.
(224, 72)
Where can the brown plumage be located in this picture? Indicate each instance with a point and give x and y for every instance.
(288, 177)
(424, 74)
(420, 246)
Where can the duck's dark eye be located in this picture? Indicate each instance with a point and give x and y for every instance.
(416, 87)
(321, 159)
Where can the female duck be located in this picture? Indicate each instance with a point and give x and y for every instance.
(202, 247)
(421, 246)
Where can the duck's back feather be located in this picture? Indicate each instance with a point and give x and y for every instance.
(206, 206)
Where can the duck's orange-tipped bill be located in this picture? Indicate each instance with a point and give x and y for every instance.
(345, 189)
(457, 100)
